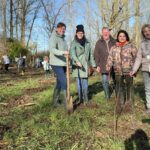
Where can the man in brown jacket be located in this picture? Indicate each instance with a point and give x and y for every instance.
(101, 52)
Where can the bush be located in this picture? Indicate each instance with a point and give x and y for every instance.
(16, 49)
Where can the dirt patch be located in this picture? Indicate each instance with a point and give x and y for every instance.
(90, 105)
(34, 90)
(19, 101)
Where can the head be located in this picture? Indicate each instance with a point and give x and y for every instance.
(80, 31)
(105, 33)
(122, 36)
(61, 28)
(46, 58)
(146, 31)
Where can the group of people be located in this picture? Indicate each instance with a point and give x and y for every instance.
(117, 58)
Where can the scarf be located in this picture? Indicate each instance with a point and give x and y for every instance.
(81, 41)
(121, 44)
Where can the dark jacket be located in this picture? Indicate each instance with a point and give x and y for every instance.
(102, 51)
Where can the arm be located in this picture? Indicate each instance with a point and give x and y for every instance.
(92, 61)
(134, 53)
(109, 60)
(73, 53)
(138, 61)
(96, 54)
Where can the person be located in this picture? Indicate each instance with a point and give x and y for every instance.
(22, 64)
(82, 57)
(37, 63)
(143, 57)
(122, 57)
(101, 52)
(58, 52)
(6, 62)
(46, 66)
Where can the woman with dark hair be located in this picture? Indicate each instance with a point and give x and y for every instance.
(82, 57)
(122, 57)
(143, 57)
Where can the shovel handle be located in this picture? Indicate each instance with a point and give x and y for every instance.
(68, 76)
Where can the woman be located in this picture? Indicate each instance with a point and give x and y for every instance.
(143, 57)
(122, 57)
(82, 57)
(58, 50)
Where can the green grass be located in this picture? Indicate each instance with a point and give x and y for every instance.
(42, 127)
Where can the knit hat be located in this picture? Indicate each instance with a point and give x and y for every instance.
(80, 28)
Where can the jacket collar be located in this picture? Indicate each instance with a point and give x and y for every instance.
(80, 44)
(58, 35)
(110, 38)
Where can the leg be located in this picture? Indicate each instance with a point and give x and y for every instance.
(79, 87)
(105, 84)
(146, 77)
(129, 100)
(61, 82)
(120, 89)
(85, 89)
(129, 88)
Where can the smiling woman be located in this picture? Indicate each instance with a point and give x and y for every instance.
(58, 50)
(121, 57)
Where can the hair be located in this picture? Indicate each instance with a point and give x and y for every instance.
(61, 24)
(126, 34)
(105, 28)
(143, 28)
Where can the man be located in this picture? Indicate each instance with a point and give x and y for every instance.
(58, 50)
(101, 52)
(143, 57)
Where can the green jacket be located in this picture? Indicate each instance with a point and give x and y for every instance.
(81, 54)
(57, 46)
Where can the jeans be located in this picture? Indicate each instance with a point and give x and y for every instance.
(105, 83)
(61, 81)
(82, 85)
(146, 76)
(124, 88)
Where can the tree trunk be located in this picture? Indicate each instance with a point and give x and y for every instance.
(11, 19)
(137, 21)
(5, 21)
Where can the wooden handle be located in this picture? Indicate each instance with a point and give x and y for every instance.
(68, 76)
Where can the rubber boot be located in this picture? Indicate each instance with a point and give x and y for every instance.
(63, 96)
(56, 95)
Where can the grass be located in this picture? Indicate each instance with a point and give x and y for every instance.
(42, 127)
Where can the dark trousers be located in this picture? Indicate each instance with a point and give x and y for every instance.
(61, 81)
(6, 67)
(124, 88)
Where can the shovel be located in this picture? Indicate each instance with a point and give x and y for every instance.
(69, 103)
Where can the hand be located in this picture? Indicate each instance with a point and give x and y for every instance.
(66, 53)
(79, 64)
(131, 73)
(98, 69)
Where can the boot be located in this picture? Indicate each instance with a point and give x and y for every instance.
(56, 97)
(63, 96)
(85, 98)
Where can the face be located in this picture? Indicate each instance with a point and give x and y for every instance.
(122, 37)
(147, 33)
(61, 30)
(80, 35)
(105, 34)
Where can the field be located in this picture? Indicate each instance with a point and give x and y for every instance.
(28, 121)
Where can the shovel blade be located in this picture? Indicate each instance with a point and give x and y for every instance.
(70, 105)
